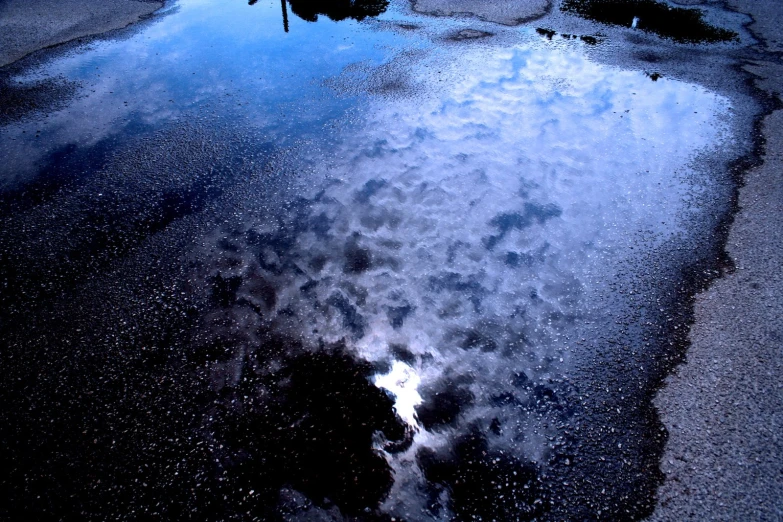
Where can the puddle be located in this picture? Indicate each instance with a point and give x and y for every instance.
(485, 266)
(235, 62)
(381, 266)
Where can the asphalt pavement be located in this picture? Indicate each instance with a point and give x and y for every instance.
(723, 408)
(26, 27)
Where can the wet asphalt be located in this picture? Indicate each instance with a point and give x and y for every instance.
(717, 413)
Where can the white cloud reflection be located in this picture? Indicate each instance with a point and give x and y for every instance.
(495, 210)
(403, 382)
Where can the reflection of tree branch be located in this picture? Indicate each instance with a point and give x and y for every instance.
(337, 10)
(308, 10)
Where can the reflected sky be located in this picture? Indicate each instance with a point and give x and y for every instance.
(229, 61)
(464, 238)
(455, 221)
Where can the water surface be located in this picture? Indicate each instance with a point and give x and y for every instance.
(379, 265)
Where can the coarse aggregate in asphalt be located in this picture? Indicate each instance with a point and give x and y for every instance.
(723, 408)
(28, 26)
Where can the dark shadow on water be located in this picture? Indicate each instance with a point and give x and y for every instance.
(470, 472)
(549, 34)
(310, 427)
(335, 10)
(18, 100)
(443, 403)
(679, 24)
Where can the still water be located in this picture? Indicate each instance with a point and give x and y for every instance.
(275, 262)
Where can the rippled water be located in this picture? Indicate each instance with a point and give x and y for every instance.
(406, 267)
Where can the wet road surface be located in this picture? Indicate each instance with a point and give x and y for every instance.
(367, 261)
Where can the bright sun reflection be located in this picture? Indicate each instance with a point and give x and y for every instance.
(403, 382)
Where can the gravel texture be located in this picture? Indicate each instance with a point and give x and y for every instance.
(507, 12)
(27, 26)
(723, 408)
